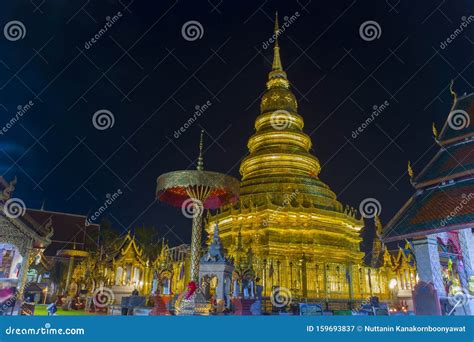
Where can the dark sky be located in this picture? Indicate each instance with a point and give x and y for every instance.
(150, 78)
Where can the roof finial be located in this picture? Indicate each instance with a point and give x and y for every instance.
(216, 230)
(200, 163)
(276, 49)
(410, 170)
(453, 92)
(435, 131)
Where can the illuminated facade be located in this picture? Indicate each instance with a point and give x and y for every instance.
(439, 218)
(288, 226)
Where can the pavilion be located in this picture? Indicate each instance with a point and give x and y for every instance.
(439, 217)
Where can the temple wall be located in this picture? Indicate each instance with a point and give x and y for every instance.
(323, 281)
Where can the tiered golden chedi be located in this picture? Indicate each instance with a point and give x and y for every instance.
(288, 226)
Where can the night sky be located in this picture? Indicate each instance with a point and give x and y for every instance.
(151, 79)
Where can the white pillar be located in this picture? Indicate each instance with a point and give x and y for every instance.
(428, 264)
(466, 241)
(220, 287)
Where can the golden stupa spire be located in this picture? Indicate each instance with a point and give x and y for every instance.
(277, 77)
(200, 163)
(276, 49)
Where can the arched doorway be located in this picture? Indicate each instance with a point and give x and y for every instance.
(10, 261)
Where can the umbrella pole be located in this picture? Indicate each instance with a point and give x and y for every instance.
(196, 242)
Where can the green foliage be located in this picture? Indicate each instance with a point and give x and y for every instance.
(148, 239)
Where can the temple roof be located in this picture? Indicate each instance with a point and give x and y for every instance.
(452, 162)
(124, 246)
(434, 210)
(460, 123)
(444, 200)
(69, 230)
(215, 252)
(397, 258)
(14, 210)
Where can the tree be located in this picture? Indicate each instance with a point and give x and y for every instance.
(148, 239)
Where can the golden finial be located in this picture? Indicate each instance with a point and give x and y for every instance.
(200, 163)
(387, 258)
(453, 92)
(378, 226)
(407, 244)
(276, 28)
(276, 49)
(410, 170)
(435, 131)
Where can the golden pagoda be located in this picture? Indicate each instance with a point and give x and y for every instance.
(288, 222)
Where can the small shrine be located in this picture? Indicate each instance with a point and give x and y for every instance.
(215, 274)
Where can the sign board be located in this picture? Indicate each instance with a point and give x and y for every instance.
(426, 300)
(133, 301)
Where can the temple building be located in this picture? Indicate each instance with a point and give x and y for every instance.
(22, 241)
(126, 268)
(288, 228)
(171, 270)
(438, 219)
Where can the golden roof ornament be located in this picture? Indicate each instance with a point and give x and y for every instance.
(435, 132)
(276, 49)
(277, 77)
(200, 163)
(387, 258)
(378, 226)
(453, 92)
(410, 170)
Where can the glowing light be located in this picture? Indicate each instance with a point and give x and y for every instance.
(392, 283)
